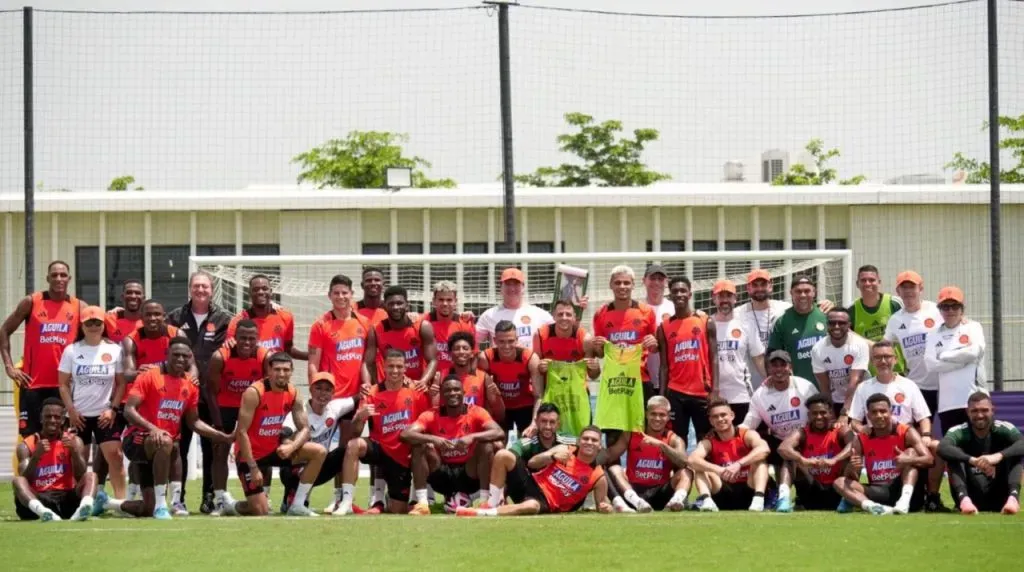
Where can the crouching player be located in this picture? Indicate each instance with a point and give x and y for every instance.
(655, 477)
(819, 455)
(52, 483)
(729, 464)
(393, 405)
(568, 475)
(258, 446)
(452, 448)
(891, 453)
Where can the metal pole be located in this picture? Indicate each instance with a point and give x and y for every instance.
(995, 239)
(30, 153)
(508, 173)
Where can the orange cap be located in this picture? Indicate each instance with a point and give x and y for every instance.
(759, 274)
(92, 313)
(513, 274)
(323, 376)
(951, 293)
(724, 286)
(909, 276)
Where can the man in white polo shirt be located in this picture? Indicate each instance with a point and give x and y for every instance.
(527, 318)
(839, 361)
(738, 344)
(909, 330)
(908, 404)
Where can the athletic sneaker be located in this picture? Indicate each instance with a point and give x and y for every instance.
(344, 509)
(99, 503)
(179, 509)
(329, 509)
(784, 505)
(421, 509)
(771, 497)
(643, 507)
(300, 511)
(83, 512)
(708, 505)
(844, 507)
(881, 510)
(49, 515)
(933, 503)
(1012, 506)
(208, 505)
(676, 505)
(161, 513)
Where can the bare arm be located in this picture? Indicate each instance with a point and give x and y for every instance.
(492, 397)
(301, 425)
(370, 357)
(250, 401)
(612, 454)
(11, 324)
(64, 385)
(119, 388)
(712, 341)
(675, 451)
(789, 448)
(663, 358)
(429, 352)
(541, 460)
(538, 382)
(759, 365)
(491, 432)
(78, 464)
(759, 449)
(922, 456)
(131, 413)
(27, 462)
(128, 355)
(825, 385)
(414, 435)
(856, 375)
(199, 426)
(698, 459)
(593, 366)
(601, 494)
(313, 362)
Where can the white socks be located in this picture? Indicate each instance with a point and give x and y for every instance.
(783, 492)
(631, 497)
(301, 493)
(377, 492)
(867, 504)
(134, 491)
(161, 496)
(497, 495)
(175, 492)
(421, 496)
(37, 507)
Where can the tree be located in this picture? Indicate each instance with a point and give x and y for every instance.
(979, 172)
(122, 183)
(798, 174)
(606, 158)
(361, 160)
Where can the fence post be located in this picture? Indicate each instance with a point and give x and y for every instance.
(30, 153)
(505, 81)
(995, 214)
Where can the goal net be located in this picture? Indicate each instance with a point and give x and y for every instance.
(300, 283)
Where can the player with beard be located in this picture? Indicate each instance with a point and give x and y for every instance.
(799, 328)
(276, 325)
(445, 321)
(567, 476)
(655, 477)
(516, 372)
(839, 362)
(738, 346)
(820, 457)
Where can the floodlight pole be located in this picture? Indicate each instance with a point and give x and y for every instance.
(505, 81)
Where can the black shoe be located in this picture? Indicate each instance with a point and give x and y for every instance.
(208, 504)
(933, 503)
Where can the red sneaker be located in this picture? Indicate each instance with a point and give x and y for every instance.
(462, 511)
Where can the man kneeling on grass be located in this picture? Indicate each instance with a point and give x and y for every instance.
(568, 475)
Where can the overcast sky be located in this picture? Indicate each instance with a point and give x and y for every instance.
(224, 101)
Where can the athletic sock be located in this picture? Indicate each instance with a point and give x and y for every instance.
(86, 500)
(497, 494)
(632, 497)
(678, 497)
(905, 494)
(421, 496)
(175, 492)
(867, 504)
(377, 492)
(37, 507)
(345, 493)
(218, 496)
(783, 492)
(487, 511)
(113, 504)
(134, 491)
(338, 492)
(301, 493)
(161, 496)
(430, 495)
(483, 494)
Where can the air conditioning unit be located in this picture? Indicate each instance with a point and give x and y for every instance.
(733, 172)
(774, 162)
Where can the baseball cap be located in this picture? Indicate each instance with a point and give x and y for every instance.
(909, 276)
(512, 274)
(759, 274)
(780, 354)
(92, 313)
(951, 294)
(655, 269)
(801, 280)
(724, 286)
(323, 376)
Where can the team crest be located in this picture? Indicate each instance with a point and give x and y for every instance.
(106, 358)
(184, 392)
(408, 402)
(848, 359)
(736, 333)
(609, 325)
(900, 398)
(525, 319)
(69, 316)
(636, 323)
(820, 327)
(278, 329)
(794, 401)
(964, 339)
(210, 327)
(359, 331)
(415, 341)
(329, 422)
(672, 335)
(584, 480)
(929, 323)
(695, 331)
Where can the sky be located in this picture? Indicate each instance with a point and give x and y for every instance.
(206, 101)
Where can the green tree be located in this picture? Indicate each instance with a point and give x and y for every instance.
(798, 174)
(606, 159)
(980, 172)
(361, 160)
(122, 183)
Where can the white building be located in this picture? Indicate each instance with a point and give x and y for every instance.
(940, 231)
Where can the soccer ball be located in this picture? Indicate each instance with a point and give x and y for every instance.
(457, 501)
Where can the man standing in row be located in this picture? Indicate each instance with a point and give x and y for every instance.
(839, 362)
(799, 328)
(740, 351)
(524, 316)
(688, 345)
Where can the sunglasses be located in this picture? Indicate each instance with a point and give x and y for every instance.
(93, 323)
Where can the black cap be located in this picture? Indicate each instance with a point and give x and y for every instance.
(801, 280)
(780, 354)
(655, 269)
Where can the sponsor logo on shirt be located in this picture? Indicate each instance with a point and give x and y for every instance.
(628, 336)
(397, 421)
(170, 409)
(349, 350)
(270, 426)
(785, 417)
(273, 344)
(564, 482)
(87, 370)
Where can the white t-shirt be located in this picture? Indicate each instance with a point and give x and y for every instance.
(199, 318)
(908, 404)
(839, 361)
(527, 319)
(957, 356)
(737, 344)
(760, 322)
(323, 427)
(92, 370)
(783, 411)
(911, 330)
(662, 312)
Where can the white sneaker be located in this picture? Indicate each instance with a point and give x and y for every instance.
(48, 515)
(300, 510)
(178, 509)
(757, 505)
(643, 506)
(901, 508)
(676, 504)
(589, 504)
(329, 509)
(344, 509)
(83, 512)
(708, 505)
(620, 506)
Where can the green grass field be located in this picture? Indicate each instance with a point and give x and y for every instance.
(725, 541)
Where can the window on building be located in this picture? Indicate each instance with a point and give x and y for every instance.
(673, 268)
(123, 263)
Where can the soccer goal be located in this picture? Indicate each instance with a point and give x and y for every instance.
(300, 283)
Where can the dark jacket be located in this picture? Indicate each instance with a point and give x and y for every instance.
(206, 338)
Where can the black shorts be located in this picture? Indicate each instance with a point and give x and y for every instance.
(888, 494)
(931, 399)
(397, 476)
(30, 408)
(656, 496)
(649, 391)
(134, 447)
(688, 409)
(521, 487)
(452, 479)
(64, 503)
(813, 495)
(93, 433)
(521, 417)
(774, 458)
(740, 412)
(952, 418)
(228, 418)
(733, 496)
(264, 464)
(331, 468)
(837, 408)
